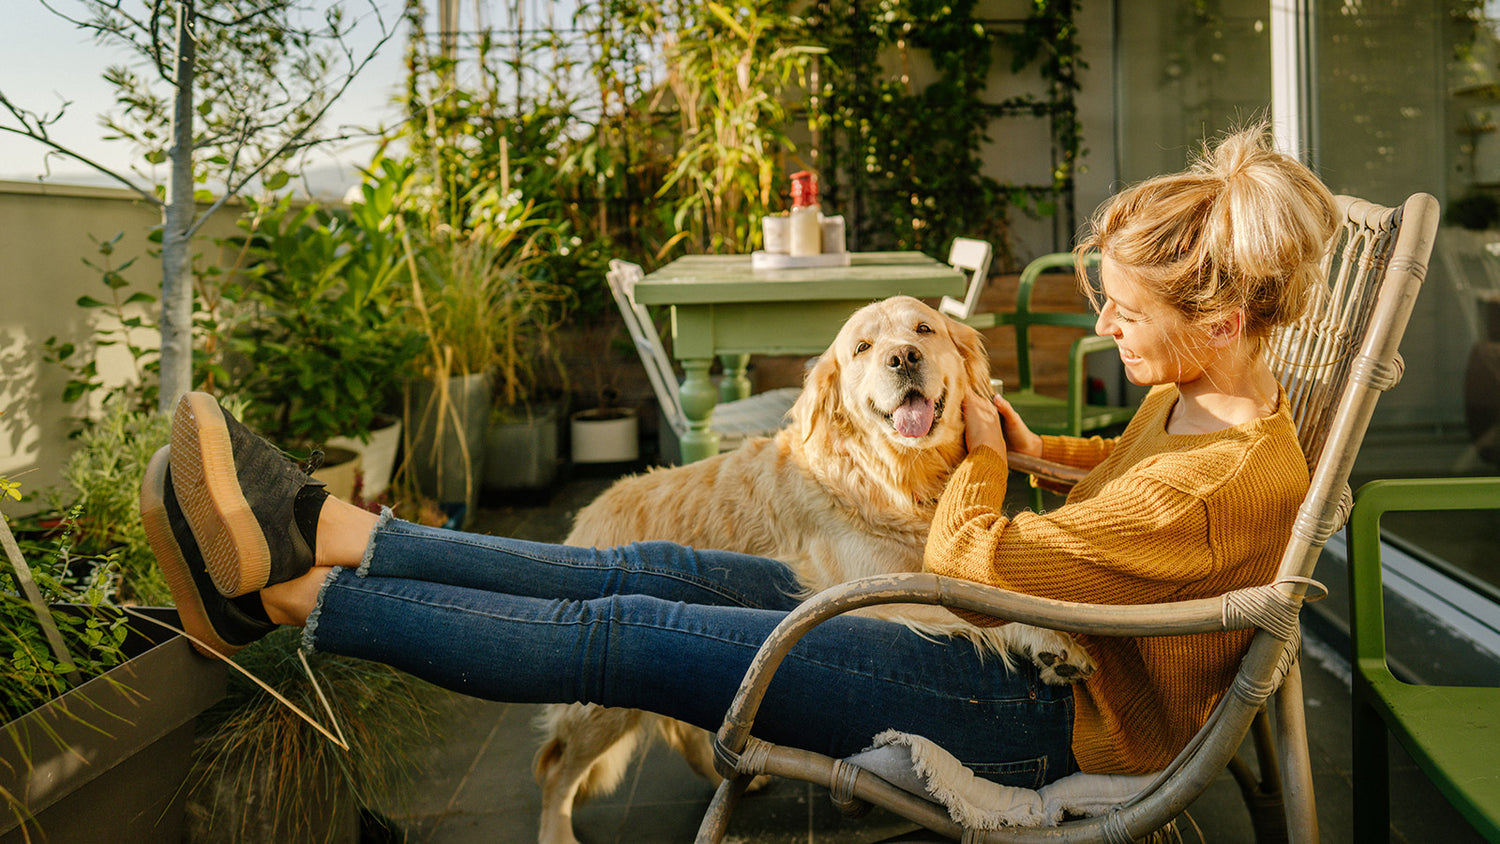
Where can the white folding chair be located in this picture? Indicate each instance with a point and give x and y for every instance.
(758, 415)
(971, 256)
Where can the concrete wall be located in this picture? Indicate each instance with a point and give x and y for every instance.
(46, 234)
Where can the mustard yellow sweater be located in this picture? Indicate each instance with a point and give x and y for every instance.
(1160, 517)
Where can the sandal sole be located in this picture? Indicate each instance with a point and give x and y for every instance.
(234, 549)
(174, 565)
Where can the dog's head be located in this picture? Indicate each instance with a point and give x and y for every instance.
(891, 385)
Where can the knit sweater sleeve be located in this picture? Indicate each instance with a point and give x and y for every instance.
(1079, 452)
(1124, 545)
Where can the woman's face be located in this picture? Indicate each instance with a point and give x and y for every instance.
(1156, 344)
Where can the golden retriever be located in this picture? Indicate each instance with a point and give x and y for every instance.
(847, 489)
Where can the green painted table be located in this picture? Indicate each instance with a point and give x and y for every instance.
(722, 307)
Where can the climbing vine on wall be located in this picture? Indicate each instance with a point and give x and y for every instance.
(904, 157)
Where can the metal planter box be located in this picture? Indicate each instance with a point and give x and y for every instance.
(108, 760)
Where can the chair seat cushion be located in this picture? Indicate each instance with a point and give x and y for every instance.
(918, 766)
(1044, 414)
(758, 415)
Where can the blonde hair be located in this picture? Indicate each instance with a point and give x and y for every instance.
(1244, 228)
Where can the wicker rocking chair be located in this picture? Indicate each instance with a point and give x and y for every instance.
(1333, 365)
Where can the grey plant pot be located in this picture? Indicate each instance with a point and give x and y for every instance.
(520, 448)
(109, 759)
(443, 436)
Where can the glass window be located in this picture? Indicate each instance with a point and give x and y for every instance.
(1187, 70)
(1406, 98)
(1430, 122)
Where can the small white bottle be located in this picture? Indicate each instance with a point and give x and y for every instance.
(807, 230)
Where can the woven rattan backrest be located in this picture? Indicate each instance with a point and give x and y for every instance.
(1312, 358)
(1336, 361)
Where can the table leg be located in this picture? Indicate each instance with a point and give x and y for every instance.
(698, 400)
(736, 384)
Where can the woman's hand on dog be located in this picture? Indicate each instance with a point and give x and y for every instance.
(991, 421)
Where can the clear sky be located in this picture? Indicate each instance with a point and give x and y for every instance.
(44, 61)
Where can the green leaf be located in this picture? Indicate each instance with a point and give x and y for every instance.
(89, 302)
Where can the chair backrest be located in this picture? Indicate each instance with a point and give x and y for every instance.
(973, 257)
(622, 277)
(1023, 318)
(1337, 360)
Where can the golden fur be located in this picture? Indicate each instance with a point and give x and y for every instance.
(840, 493)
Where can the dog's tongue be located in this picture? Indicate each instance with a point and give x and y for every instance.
(913, 419)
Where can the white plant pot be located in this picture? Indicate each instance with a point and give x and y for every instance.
(605, 435)
(378, 457)
(340, 469)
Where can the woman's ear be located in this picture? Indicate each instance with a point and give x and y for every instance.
(1225, 332)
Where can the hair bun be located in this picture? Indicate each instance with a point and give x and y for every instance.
(1243, 229)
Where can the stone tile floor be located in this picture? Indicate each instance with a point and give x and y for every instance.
(477, 785)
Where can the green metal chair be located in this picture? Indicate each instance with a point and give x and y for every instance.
(1453, 732)
(1072, 415)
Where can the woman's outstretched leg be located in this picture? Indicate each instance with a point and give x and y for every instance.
(844, 683)
(675, 656)
(247, 519)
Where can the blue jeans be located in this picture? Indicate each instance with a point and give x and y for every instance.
(671, 630)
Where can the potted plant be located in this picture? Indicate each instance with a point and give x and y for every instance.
(487, 314)
(96, 707)
(326, 335)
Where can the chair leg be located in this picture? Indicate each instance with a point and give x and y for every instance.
(1372, 783)
(1262, 791)
(716, 818)
(1296, 766)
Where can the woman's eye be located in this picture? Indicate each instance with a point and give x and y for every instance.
(924, 328)
(861, 346)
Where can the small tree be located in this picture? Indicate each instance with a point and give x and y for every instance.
(222, 93)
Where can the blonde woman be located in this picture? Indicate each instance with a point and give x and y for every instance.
(1198, 495)
(1198, 268)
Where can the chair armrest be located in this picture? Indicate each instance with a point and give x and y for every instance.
(1203, 615)
(1057, 473)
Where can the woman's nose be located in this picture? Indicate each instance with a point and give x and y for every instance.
(1104, 326)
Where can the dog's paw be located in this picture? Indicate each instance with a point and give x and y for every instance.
(1063, 666)
(1059, 658)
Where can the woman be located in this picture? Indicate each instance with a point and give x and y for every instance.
(1193, 499)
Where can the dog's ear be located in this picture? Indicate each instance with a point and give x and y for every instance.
(821, 401)
(976, 358)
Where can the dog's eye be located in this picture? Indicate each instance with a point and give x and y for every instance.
(924, 328)
(861, 346)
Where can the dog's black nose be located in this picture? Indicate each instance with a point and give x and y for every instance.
(904, 358)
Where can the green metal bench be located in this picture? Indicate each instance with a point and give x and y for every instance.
(1453, 732)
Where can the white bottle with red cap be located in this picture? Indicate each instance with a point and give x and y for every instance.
(807, 231)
